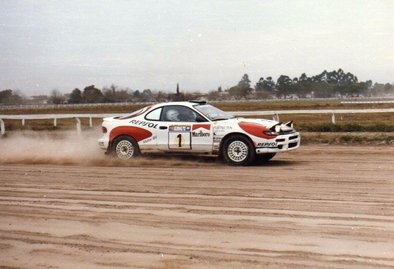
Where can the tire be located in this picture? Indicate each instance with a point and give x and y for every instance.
(238, 150)
(125, 148)
(262, 158)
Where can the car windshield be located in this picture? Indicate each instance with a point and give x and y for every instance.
(213, 113)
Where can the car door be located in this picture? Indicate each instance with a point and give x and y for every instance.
(183, 129)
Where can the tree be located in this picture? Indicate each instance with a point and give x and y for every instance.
(303, 78)
(322, 90)
(75, 97)
(56, 97)
(283, 85)
(161, 96)
(259, 87)
(8, 97)
(378, 89)
(213, 95)
(92, 95)
(265, 85)
(244, 82)
(388, 89)
(5, 96)
(178, 96)
(122, 96)
(147, 96)
(243, 89)
(108, 95)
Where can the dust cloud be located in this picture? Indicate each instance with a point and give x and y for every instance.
(69, 148)
(51, 148)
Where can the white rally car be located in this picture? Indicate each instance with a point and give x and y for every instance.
(196, 127)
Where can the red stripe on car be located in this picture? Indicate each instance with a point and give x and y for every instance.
(136, 132)
(254, 129)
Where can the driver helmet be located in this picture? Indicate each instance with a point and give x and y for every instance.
(173, 115)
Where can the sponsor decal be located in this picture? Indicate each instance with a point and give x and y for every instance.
(149, 139)
(221, 129)
(180, 128)
(267, 145)
(136, 132)
(200, 134)
(200, 130)
(144, 123)
(203, 126)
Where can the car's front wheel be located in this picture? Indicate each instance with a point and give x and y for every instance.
(125, 148)
(238, 150)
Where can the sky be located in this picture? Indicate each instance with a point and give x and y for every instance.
(201, 44)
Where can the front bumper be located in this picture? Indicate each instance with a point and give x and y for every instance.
(282, 143)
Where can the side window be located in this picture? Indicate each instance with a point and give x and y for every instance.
(171, 113)
(180, 114)
(154, 115)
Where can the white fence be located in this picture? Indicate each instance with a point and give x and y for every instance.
(275, 114)
(350, 100)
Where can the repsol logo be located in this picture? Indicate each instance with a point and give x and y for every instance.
(267, 145)
(200, 134)
(144, 123)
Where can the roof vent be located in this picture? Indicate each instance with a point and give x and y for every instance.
(200, 102)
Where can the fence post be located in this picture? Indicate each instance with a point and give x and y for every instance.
(333, 118)
(55, 122)
(90, 122)
(23, 122)
(78, 126)
(275, 117)
(2, 127)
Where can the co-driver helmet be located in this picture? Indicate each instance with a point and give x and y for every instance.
(173, 115)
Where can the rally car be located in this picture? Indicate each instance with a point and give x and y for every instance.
(198, 128)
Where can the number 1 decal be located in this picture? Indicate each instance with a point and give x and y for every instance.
(179, 137)
(179, 140)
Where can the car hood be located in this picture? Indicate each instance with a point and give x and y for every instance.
(269, 124)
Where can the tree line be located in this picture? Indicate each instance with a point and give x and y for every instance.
(336, 83)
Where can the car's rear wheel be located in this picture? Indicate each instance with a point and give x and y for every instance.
(238, 150)
(125, 148)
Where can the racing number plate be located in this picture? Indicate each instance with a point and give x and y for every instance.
(179, 137)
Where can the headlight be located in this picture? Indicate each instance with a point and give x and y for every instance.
(270, 133)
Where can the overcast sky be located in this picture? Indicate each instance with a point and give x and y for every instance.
(201, 45)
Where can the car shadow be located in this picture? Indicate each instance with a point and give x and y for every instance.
(214, 160)
(274, 163)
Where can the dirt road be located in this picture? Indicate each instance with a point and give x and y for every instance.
(321, 206)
